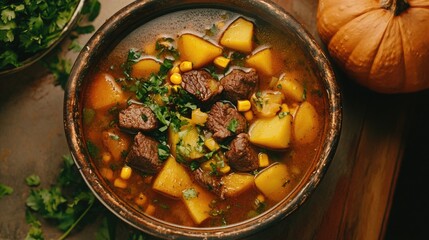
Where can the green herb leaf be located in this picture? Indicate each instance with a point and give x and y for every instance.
(163, 151)
(92, 149)
(190, 193)
(84, 29)
(232, 125)
(194, 165)
(54, 204)
(5, 190)
(32, 180)
(283, 114)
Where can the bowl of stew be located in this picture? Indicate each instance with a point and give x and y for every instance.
(202, 119)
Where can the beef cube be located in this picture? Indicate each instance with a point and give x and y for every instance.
(224, 121)
(239, 85)
(138, 117)
(242, 155)
(201, 85)
(143, 154)
(208, 181)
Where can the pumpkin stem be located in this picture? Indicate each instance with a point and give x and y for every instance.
(396, 6)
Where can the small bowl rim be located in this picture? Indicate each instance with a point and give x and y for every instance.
(40, 54)
(159, 228)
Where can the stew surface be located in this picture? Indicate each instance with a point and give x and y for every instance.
(204, 117)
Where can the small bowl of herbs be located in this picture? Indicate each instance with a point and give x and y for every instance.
(31, 29)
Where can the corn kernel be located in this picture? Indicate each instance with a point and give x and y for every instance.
(175, 69)
(140, 199)
(211, 144)
(199, 117)
(106, 157)
(243, 105)
(176, 78)
(263, 160)
(207, 165)
(248, 115)
(150, 210)
(126, 172)
(107, 173)
(225, 169)
(185, 66)
(120, 183)
(221, 62)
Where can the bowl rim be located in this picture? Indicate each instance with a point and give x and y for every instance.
(40, 54)
(150, 9)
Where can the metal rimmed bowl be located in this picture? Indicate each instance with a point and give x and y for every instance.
(137, 14)
(40, 54)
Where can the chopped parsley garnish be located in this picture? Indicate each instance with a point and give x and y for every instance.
(190, 193)
(304, 94)
(114, 137)
(194, 165)
(219, 213)
(133, 57)
(163, 151)
(258, 100)
(92, 149)
(165, 47)
(232, 125)
(213, 171)
(212, 31)
(283, 114)
(144, 117)
(238, 58)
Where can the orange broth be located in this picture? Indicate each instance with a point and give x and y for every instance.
(289, 59)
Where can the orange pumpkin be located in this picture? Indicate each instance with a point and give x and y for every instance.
(382, 44)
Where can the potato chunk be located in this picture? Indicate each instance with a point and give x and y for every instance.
(306, 124)
(104, 92)
(262, 61)
(115, 142)
(189, 145)
(145, 67)
(237, 183)
(197, 50)
(172, 179)
(291, 88)
(238, 36)
(197, 200)
(274, 181)
(273, 133)
(267, 103)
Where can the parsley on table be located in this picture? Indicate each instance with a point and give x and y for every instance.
(33, 180)
(69, 204)
(54, 204)
(5, 190)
